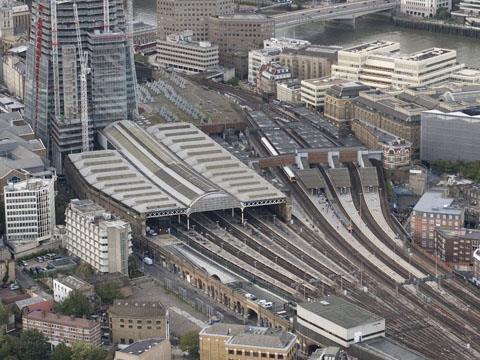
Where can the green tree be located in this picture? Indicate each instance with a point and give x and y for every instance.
(3, 315)
(133, 270)
(109, 292)
(33, 345)
(75, 304)
(7, 350)
(61, 352)
(189, 343)
(84, 351)
(442, 13)
(233, 81)
(85, 270)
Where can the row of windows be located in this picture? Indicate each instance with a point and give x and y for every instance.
(255, 354)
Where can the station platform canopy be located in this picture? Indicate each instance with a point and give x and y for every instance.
(184, 169)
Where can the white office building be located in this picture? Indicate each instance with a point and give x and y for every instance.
(62, 287)
(180, 52)
(97, 237)
(313, 91)
(285, 43)
(257, 58)
(30, 211)
(424, 8)
(379, 64)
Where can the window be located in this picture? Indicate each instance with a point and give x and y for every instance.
(255, 353)
(130, 341)
(231, 352)
(122, 341)
(239, 352)
(271, 356)
(264, 355)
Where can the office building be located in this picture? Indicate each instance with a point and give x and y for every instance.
(52, 87)
(379, 64)
(228, 341)
(181, 53)
(289, 92)
(450, 135)
(456, 247)
(14, 19)
(311, 62)
(424, 8)
(285, 43)
(14, 72)
(151, 349)
(269, 75)
(63, 286)
(131, 321)
(236, 35)
(60, 328)
(331, 318)
(258, 58)
(313, 91)
(431, 211)
(97, 237)
(144, 33)
(29, 213)
(175, 16)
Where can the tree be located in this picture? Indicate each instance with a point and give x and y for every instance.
(75, 304)
(133, 270)
(85, 270)
(7, 350)
(442, 13)
(84, 351)
(61, 352)
(233, 81)
(109, 292)
(3, 315)
(189, 343)
(33, 345)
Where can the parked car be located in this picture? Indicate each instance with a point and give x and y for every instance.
(147, 260)
(250, 296)
(14, 286)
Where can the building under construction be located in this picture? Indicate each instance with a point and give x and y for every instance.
(80, 72)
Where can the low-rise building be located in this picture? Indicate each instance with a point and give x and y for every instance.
(38, 301)
(396, 151)
(228, 341)
(151, 349)
(331, 318)
(431, 211)
(476, 267)
(424, 8)
(285, 43)
(29, 213)
(180, 52)
(97, 237)
(60, 328)
(311, 62)
(289, 92)
(144, 33)
(313, 91)
(258, 58)
(14, 73)
(269, 76)
(131, 321)
(456, 247)
(62, 287)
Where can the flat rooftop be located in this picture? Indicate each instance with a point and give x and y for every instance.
(139, 347)
(340, 311)
(373, 46)
(435, 202)
(453, 234)
(428, 54)
(73, 282)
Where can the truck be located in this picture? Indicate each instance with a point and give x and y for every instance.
(147, 260)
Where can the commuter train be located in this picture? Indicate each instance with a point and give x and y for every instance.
(272, 151)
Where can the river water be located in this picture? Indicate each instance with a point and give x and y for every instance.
(367, 29)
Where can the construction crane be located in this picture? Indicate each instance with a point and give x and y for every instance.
(56, 79)
(84, 70)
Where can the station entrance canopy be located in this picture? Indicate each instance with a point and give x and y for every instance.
(171, 169)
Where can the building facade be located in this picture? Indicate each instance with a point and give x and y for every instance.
(175, 16)
(424, 8)
(14, 74)
(313, 91)
(30, 211)
(151, 349)
(236, 35)
(456, 247)
(269, 76)
(289, 92)
(60, 328)
(131, 321)
(62, 287)
(432, 211)
(180, 52)
(52, 84)
(97, 238)
(232, 341)
(450, 135)
(258, 58)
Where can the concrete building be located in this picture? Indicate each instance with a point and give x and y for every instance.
(469, 12)
(29, 213)
(174, 16)
(424, 8)
(63, 286)
(258, 58)
(313, 91)
(14, 19)
(289, 92)
(456, 247)
(396, 151)
(228, 341)
(236, 35)
(54, 101)
(151, 349)
(38, 301)
(14, 73)
(131, 321)
(285, 43)
(331, 318)
(97, 237)
(311, 62)
(338, 108)
(450, 135)
(60, 328)
(379, 64)
(269, 76)
(144, 33)
(431, 211)
(180, 52)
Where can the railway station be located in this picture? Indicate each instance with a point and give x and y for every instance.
(167, 173)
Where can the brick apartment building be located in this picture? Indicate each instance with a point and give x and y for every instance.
(457, 246)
